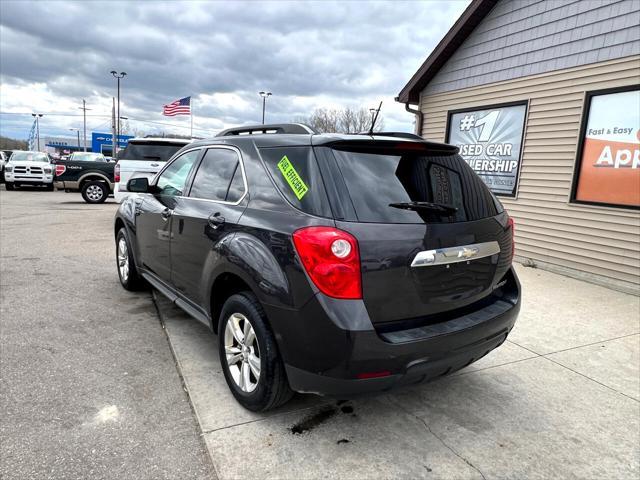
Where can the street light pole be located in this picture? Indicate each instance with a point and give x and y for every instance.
(37, 116)
(84, 114)
(118, 76)
(264, 96)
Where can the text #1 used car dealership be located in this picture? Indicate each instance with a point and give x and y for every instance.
(543, 100)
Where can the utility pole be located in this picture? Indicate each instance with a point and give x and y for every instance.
(84, 114)
(118, 76)
(264, 96)
(37, 116)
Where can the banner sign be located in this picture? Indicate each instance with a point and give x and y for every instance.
(608, 169)
(490, 141)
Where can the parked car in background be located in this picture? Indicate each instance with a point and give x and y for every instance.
(145, 156)
(85, 172)
(28, 168)
(3, 160)
(329, 264)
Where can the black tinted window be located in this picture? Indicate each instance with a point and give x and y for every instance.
(236, 189)
(156, 151)
(296, 174)
(219, 176)
(374, 181)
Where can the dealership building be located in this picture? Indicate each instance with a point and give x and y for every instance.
(543, 99)
(100, 142)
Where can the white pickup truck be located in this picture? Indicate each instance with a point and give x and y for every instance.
(144, 157)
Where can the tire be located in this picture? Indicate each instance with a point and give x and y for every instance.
(49, 187)
(94, 192)
(270, 388)
(128, 274)
(9, 185)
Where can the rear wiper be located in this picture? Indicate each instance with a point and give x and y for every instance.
(434, 207)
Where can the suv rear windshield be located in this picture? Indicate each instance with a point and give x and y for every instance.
(447, 186)
(156, 151)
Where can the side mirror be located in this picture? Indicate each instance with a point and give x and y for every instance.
(138, 185)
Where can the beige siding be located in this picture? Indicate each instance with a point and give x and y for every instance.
(598, 243)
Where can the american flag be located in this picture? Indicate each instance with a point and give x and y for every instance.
(179, 107)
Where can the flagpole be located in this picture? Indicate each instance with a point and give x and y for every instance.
(191, 117)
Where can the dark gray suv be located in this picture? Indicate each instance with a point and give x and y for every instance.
(328, 264)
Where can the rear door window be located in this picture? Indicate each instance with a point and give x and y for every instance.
(152, 151)
(375, 180)
(219, 176)
(295, 172)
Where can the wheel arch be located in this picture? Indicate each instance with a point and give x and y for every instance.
(224, 286)
(117, 226)
(94, 176)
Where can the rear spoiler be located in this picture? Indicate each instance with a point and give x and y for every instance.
(391, 146)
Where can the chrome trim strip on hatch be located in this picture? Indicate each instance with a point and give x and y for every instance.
(464, 253)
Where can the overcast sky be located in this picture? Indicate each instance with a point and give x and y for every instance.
(309, 54)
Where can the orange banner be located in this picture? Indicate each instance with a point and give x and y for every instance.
(610, 173)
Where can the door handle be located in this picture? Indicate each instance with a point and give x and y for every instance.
(155, 164)
(216, 220)
(166, 213)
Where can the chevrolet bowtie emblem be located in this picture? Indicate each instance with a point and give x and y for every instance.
(468, 252)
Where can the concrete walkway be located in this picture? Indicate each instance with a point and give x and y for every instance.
(560, 399)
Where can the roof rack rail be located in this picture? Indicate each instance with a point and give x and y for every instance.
(412, 136)
(274, 128)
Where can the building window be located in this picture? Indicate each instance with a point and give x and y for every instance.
(607, 170)
(490, 141)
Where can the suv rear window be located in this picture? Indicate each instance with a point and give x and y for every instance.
(159, 152)
(295, 172)
(376, 179)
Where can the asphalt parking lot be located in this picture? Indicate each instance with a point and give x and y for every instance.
(92, 388)
(89, 387)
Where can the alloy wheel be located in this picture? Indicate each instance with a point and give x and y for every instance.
(123, 259)
(94, 192)
(242, 352)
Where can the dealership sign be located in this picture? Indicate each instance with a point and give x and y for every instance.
(490, 141)
(608, 168)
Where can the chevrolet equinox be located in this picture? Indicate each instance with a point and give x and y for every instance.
(328, 264)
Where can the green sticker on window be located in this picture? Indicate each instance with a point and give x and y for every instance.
(293, 179)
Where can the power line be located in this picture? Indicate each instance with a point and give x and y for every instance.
(53, 114)
(57, 114)
(168, 124)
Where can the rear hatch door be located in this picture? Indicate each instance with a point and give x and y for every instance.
(432, 237)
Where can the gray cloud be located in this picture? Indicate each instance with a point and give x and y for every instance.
(309, 54)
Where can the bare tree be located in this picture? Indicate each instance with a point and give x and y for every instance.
(347, 120)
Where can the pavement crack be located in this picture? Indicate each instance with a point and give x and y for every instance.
(444, 444)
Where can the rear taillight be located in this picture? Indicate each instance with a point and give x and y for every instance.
(60, 169)
(511, 224)
(116, 173)
(331, 258)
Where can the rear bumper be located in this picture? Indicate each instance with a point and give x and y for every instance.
(323, 358)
